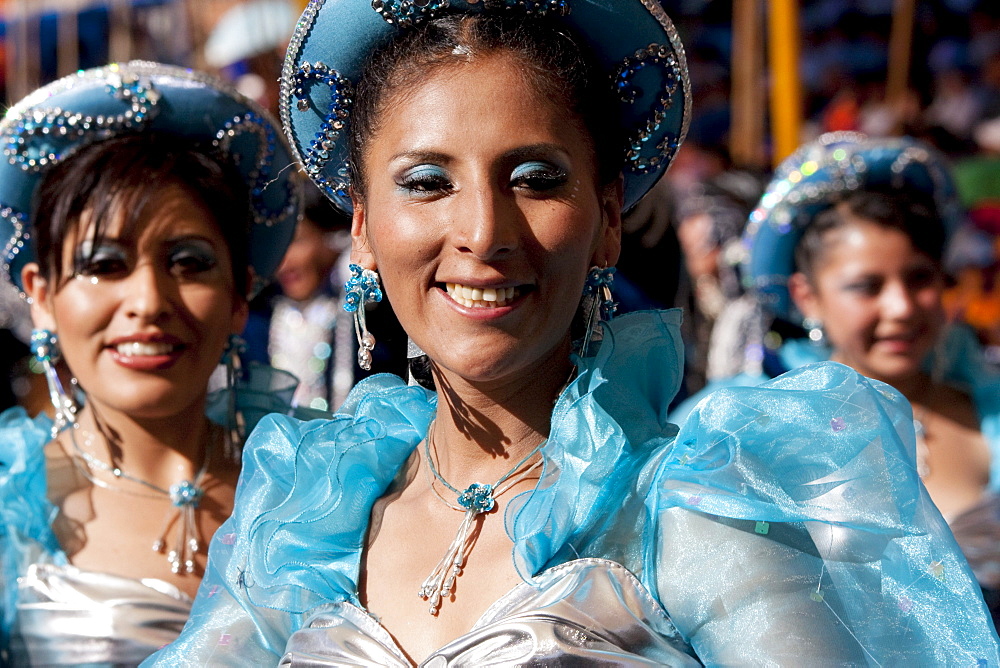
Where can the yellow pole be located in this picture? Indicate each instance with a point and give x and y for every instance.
(746, 134)
(786, 90)
(68, 46)
(900, 43)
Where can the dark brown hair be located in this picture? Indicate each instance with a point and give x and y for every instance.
(897, 210)
(120, 176)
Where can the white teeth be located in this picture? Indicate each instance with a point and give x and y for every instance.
(480, 297)
(137, 348)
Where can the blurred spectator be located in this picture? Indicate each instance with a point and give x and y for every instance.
(711, 218)
(300, 324)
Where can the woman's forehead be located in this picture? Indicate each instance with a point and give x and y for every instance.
(465, 103)
(136, 218)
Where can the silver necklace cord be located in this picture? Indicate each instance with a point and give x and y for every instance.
(474, 501)
(184, 497)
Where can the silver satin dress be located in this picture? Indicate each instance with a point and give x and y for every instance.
(71, 617)
(588, 612)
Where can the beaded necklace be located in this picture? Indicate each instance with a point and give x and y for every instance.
(476, 499)
(184, 497)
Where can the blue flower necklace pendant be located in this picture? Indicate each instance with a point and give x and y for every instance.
(476, 499)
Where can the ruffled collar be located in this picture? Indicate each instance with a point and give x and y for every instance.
(607, 426)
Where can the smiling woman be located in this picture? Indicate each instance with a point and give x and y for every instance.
(535, 507)
(134, 203)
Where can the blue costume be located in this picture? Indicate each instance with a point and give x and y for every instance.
(54, 613)
(780, 523)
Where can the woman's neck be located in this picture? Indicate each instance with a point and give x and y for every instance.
(483, 429)
(161, 451)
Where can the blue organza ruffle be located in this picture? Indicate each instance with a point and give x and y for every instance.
(815, 471)
(25, 512)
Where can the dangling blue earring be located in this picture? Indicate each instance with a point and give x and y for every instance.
(598, 302)
(44, 346)
(362, 288)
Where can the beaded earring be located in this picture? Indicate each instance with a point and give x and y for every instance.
(44, 346)
(814, 327)
(598, 302)
(362, 288)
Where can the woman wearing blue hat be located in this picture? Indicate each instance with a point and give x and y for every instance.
(536, 506)
(140, 205)
(852, 232)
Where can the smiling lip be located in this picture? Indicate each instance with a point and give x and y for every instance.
(902, 343)
(475, 297)
(146, 352)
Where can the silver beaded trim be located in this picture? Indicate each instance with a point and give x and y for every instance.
(403, 13)
(30, 129)
(15, 244)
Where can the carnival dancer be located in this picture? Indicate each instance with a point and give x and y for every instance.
(537, 507)
(140, 205)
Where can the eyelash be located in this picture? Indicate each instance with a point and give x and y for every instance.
(538, 176)
(180, 262)
(535, 176)
(188, 261)
(102, 262)
(425, 181)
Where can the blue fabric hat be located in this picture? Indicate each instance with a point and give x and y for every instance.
(634, 40)
(107, 102)
(816, 176)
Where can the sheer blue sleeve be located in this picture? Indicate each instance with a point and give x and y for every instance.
(25, 512)
(299, 524)
(791, 523)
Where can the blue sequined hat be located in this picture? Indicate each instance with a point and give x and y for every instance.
(634, 40)
(102, 103)
(815, 177)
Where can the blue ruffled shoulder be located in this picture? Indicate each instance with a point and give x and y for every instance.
(818, 467)
(798, 503)
(25, 512)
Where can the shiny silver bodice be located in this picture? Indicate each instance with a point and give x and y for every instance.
(589, 612)
(67, 616)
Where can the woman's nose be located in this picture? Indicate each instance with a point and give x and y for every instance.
(898, 300)
(145, 293)
(488, 224)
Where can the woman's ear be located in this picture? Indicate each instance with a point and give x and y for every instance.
(37, 288)
(361, 252)
(804, 295)
(609, 240)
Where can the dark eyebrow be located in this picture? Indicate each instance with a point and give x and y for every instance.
(533, 150)
(423, 156)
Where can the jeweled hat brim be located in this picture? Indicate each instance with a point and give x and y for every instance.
(634, 39)
(816, 176)
(55, 121)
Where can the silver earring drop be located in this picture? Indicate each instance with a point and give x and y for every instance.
(44, 346)
(598, 302)
(814, 328)
(362, 288)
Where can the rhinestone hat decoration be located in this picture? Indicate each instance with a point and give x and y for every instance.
(55, 121)
(814, 177)
(634, 40)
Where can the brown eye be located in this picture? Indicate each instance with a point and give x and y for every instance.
(192, 257)
(104, 260)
